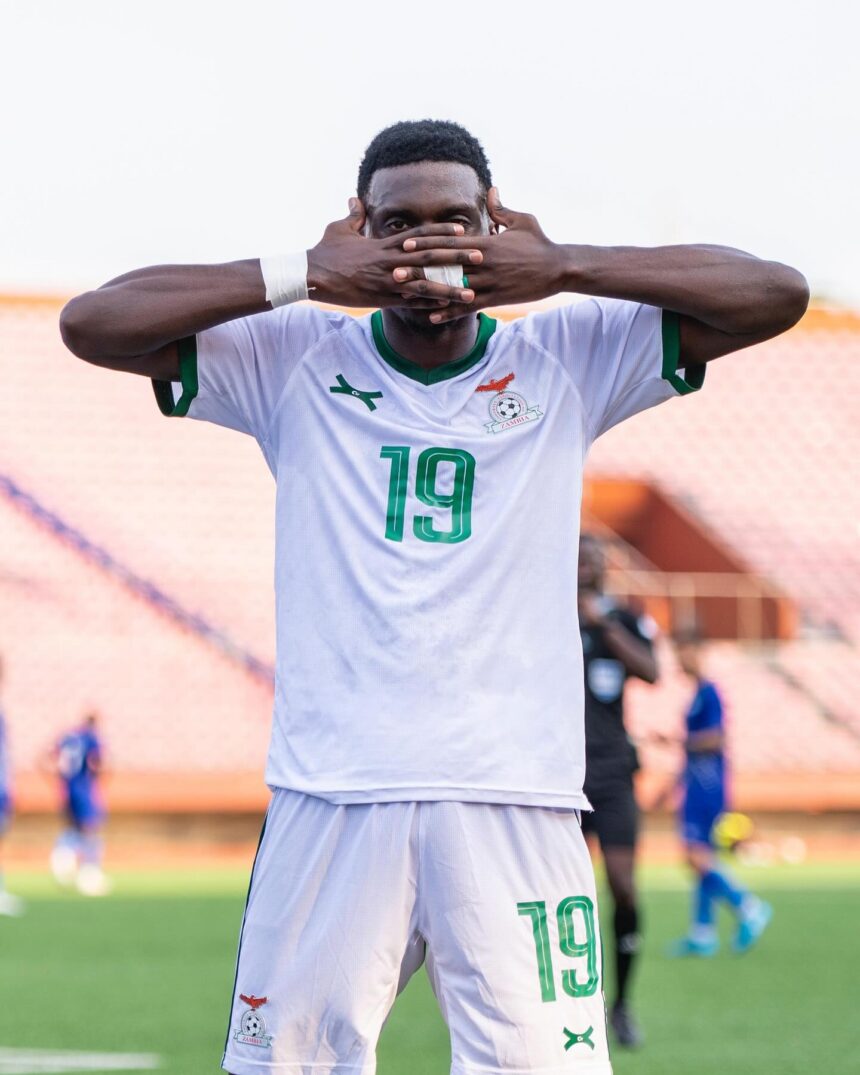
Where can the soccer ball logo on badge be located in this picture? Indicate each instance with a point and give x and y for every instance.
(507, 405)
(252, 1026)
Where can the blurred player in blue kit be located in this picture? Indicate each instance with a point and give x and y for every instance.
(76, 759)
(9, 904)
(704, 800)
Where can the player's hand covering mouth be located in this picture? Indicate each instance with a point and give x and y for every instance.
(348, 268)
(518, 264)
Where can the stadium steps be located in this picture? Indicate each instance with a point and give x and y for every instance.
(138, 586)
(73, 640)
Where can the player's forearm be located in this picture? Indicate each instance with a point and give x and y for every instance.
(140, 312)
(726, 289)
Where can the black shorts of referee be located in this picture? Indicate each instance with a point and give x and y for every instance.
(614, 819)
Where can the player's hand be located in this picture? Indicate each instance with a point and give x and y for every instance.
(520, 264)
(347, 268)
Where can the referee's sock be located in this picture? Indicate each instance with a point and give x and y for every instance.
(627, 942)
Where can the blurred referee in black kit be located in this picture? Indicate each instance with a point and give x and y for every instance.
(616, 643)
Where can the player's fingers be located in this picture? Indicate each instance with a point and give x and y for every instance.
(499, 214)
(440, 242)
(437, 256)
(421, 271)
(397, 240)
(426, 289)
(357, 216)
(451, 313)
(424, 304)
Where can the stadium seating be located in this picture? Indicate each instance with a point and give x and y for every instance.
(766, 456)
(762, 457)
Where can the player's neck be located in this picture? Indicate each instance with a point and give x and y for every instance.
(433, 347)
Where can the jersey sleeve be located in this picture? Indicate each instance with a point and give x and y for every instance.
(235, 374)
(709, 712)
(623, 357)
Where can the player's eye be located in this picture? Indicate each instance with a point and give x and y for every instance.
(396, 224)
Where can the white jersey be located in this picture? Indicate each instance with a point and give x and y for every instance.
(427, 526)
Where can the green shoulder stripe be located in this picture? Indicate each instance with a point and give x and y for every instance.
(187, 375)
(694, 376)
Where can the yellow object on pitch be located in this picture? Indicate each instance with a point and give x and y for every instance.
(732, 829)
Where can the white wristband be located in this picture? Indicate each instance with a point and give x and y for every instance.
(452, 275)
(285, 277)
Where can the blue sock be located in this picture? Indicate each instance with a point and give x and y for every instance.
(723, 887)
(703, 901)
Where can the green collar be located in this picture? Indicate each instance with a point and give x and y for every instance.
(486, 328)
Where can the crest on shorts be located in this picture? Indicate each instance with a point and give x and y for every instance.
(252, 1025)
(507, 409)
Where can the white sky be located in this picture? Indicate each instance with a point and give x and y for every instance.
(135, 133)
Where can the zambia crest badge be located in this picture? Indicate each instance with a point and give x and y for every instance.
(507, 409)
(252, 1026)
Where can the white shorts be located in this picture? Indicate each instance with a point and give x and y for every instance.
(346, 902)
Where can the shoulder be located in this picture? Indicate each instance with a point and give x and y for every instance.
(586, 320)
(287, 330)
(707, 704)
(306, 322)
(709, 693)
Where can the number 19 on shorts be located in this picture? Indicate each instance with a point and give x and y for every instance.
(577, 940)
(459, 501)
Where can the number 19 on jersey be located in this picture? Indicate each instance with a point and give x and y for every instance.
(458, 501)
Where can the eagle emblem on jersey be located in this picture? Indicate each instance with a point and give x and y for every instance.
(507, 409)
(496, 386)
(252, 1025)
(252, 1001)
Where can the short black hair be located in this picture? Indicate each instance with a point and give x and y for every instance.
(423, 140)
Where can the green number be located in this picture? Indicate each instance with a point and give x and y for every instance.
(459, 502)
(396, 512)
(536, 910)
(569, 945)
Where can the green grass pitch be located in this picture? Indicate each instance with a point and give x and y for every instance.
(149, 969)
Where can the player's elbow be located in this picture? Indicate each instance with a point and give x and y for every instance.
(792, 297)
(787, 297)
(78, 328)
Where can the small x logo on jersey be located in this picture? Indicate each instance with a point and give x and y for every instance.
(578, 1039)
(346, 388)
